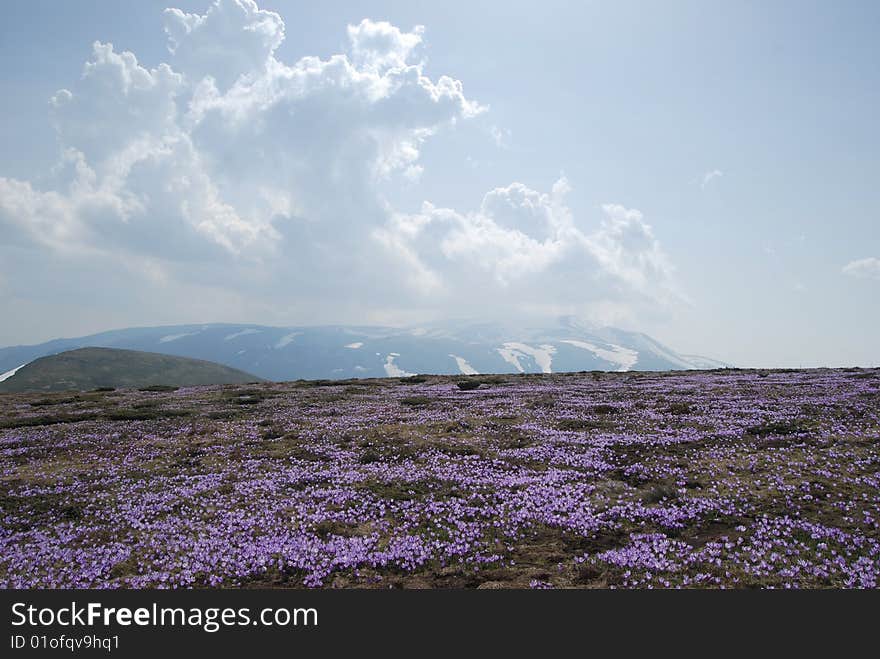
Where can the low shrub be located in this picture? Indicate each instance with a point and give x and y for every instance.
(415, 401)
(52, 401)
(605, 409)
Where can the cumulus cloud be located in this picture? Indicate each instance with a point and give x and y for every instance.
(379, 46)
(524, 249)
(868, 268)
(232, 39)
(225, 139)
(226, 169)
(710, 176)
(501, 136)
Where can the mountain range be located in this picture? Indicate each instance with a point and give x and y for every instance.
(342, 351)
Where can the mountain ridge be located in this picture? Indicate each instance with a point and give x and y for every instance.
(345, 351)
(93, 367)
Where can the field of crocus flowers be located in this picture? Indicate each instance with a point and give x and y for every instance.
(728, 478)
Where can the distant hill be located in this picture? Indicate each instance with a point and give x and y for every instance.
(90, 368)
(347, 351)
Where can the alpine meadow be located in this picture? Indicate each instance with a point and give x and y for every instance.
(438, 295)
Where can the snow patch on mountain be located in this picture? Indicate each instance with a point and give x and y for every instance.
(464, 366)
(287, 339)
(9, 374)
(512, 357)
(392, 369)
(704, 363)
(675, 359)
(625, 358)
(243, 332)
(513, 351)
(174, 337)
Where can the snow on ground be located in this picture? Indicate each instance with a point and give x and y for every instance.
(464, 366)
(511, 357)
(665, 354)
(392, 369)
(9, 374)
(286, 339)
(512, 352)
(625, 358)
(355, 345)
(243, 332)
(704, 363)
(174, 337)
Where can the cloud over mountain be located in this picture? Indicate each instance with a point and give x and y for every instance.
(228, 179)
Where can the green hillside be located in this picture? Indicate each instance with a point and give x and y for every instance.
(90, 368)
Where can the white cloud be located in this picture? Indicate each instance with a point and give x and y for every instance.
(710, 176)
(501, 136)
(230, 183)
(379, 46)
(524, 248)
(868, 268)
(198, 42)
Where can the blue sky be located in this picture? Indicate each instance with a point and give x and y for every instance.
(705, 172)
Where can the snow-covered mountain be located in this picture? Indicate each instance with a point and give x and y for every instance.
(289, 353)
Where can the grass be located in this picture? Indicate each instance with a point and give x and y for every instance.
(786, 427)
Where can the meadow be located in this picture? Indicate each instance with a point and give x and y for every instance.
(716, 479)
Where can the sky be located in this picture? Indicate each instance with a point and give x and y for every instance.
(704, 172)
